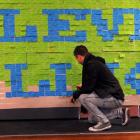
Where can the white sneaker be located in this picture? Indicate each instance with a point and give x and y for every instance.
(97, 125)
(100, 127)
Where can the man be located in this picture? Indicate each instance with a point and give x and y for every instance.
(100, 92)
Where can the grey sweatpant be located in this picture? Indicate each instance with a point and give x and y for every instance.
(101, 109)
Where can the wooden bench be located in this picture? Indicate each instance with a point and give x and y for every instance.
(133, 103)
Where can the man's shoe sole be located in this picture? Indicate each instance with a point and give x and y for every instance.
(126, 117)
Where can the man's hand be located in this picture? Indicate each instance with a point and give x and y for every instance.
(73, 100)
(75, 96)
(79, 86)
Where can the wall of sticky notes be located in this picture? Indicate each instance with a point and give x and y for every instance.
(37, 39)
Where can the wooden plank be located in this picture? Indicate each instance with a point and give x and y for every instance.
(109, 136)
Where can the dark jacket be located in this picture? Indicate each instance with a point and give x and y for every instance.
(97, 77)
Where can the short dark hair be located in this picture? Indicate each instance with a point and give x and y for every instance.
(80, 50)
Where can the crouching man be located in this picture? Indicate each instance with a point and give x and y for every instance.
(100, 92)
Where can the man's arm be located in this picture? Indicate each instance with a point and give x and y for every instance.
(89, 82)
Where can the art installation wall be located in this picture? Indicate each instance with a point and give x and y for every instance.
(37, 39)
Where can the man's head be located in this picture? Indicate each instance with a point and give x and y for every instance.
(80, 52)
